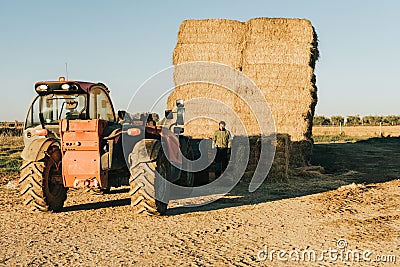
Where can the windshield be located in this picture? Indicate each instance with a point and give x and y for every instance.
(57, 107)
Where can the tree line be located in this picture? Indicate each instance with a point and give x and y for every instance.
(355, 120)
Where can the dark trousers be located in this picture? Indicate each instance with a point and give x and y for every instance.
(221, 161)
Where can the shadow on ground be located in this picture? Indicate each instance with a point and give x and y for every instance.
(369, 161)
(374, 160)
(98, 205)
(377, 159)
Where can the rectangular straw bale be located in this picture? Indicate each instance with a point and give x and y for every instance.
(300, 153)
(284, 75)
(206, 73)
(262, 30)
(261, 55)
(225, 53)
(208, 92)
(211, 31)
(280, 167)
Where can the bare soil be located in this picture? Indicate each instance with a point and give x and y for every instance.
(352, 206)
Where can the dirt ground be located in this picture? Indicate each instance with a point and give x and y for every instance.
(348, 215)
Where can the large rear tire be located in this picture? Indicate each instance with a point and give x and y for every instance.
(149, 170)
(41, 186)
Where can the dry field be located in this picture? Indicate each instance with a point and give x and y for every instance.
(357, 131)
(354, 201)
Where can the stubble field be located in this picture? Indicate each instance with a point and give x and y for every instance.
(350, 205)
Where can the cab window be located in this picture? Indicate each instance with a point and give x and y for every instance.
(100, 106)
(58, 106)
(32, 118)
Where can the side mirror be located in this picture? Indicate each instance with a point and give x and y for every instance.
(168, 114)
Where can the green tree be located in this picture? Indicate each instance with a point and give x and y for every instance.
(321, 120)
(336, 120)
(353, 120)
(391, 120)
(368, 120)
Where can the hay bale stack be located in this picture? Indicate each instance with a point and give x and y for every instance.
(279, 55)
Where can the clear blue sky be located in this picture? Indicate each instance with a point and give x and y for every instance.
(122, 43)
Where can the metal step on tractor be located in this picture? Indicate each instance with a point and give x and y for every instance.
(74, 139)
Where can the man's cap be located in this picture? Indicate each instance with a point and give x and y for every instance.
(222, 123)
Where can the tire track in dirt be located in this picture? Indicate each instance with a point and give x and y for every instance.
(93, 231)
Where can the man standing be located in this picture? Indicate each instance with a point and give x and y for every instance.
(222, 141)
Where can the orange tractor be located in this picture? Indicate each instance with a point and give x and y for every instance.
(73, 139)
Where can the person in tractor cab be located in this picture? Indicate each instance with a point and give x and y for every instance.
(72, 113)
(222, 142)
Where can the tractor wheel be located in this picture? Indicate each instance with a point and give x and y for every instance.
(148, 187)
(41, 185)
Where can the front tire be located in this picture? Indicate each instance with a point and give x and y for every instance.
(149, 170)
(41, 186)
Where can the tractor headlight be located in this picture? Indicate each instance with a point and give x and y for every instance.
(65, 86)
(42, 87)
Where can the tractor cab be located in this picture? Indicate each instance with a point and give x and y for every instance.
(69, 100)
(80, 117)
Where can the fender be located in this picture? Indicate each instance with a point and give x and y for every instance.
(37, 148)
(172, 146)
